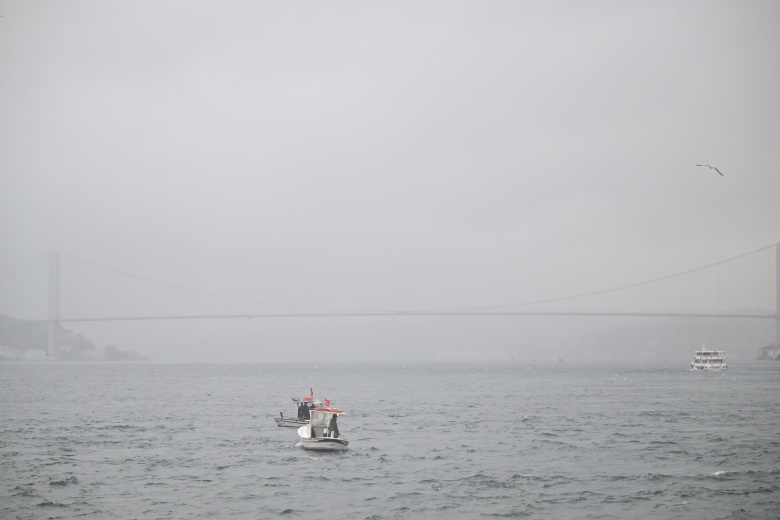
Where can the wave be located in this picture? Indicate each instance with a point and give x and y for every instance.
(49, 503)
(65, 482)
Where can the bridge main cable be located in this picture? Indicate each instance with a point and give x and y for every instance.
(395, 314)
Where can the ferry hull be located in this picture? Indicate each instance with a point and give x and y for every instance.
(710, 369)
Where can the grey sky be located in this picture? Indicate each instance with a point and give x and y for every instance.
(405, 155)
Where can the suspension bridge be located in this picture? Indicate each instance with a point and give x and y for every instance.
(744, 286)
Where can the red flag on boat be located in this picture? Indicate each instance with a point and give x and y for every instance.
(327, 403)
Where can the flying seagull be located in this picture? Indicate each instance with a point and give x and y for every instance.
(711, 168)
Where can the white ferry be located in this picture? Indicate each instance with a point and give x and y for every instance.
(706, 359)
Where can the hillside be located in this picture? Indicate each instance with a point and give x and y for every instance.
(25, 340)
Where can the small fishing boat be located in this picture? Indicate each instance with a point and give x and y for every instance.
(322, 432)
(304, 404)
(706, 359)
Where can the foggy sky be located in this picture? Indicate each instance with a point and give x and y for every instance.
(375, 156)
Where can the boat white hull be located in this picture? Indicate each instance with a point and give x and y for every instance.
(320, 443)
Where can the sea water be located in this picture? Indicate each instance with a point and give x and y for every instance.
(556, 441)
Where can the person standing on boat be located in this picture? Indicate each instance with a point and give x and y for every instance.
(333, 427)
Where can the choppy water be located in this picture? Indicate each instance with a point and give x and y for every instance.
(556, 441)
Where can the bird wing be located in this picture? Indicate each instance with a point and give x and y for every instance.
(717, 170)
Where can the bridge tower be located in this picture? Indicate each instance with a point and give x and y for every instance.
(54, 304)
(777, 293)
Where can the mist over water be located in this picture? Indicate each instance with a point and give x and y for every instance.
(213, 158)
(435, 441)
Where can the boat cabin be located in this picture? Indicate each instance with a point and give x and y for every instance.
(322, 432)
(305, 405)
(323, 423)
